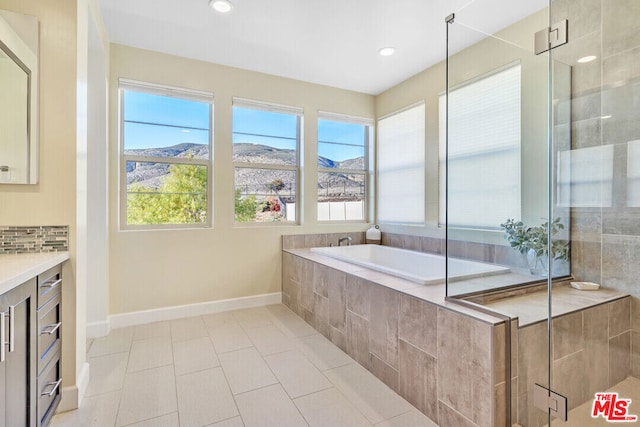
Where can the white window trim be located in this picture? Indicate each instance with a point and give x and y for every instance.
(171, 91)
(274, 108)
(366, 172)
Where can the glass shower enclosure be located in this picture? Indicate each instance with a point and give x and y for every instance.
(540, 164)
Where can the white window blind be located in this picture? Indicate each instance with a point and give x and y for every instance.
(484, 151)
(401, 175)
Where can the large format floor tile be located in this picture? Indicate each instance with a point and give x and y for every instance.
(261, 366)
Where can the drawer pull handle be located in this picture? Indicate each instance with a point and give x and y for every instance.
(54, 387)
(50, 329)
(3, 343)
(51, 283)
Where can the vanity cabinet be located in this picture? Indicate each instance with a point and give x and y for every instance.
(30, 348)
(18, 356)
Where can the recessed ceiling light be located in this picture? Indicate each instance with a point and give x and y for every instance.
(222, 6)
(586, 59)
(387, 51)
(605, 117)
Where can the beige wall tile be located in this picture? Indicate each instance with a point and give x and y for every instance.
(465, 366)
(418, 324)
(358, 296)
(596, 349)
(635, 354)
(567, 333)
(337, 292)
(619, 358)
(569, 378)
(418, 379)
(384, 372)
(384, 324)
(619, 316)
(358, 338)
(449, 417)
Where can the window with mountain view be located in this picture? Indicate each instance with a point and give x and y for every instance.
(165, 156)
(266, 140)
(342, 167)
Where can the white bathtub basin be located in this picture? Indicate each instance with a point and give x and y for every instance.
(426, 269)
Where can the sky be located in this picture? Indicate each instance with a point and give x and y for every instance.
(153, 121)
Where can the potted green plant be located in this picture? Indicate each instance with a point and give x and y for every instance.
(534, 241)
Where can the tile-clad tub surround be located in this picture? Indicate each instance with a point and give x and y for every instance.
(445, 359)
(33, 239)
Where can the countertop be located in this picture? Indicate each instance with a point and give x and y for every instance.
(15, 269)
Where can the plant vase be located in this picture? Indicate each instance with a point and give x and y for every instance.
(538, 264)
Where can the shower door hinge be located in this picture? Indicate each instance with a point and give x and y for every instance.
(547, 400)
(551, 37)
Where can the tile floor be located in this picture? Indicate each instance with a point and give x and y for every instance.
(581, 416)
(256, 367)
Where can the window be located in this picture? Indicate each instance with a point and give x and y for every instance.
(401, 160)
(484, 151)
(342, 167)
(266, 140)
(165, 156)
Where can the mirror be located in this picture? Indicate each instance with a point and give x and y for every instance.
(18, 99)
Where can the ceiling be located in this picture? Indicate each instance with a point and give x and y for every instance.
(329, 42)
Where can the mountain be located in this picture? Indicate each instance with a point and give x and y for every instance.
(249, 180)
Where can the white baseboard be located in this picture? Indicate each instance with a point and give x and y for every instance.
(176, 312)
(72, 395)
(98, 329)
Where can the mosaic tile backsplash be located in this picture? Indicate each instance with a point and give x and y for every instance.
(28, 239)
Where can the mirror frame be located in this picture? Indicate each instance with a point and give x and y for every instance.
(17, 49)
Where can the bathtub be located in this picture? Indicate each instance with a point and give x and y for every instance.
(419, 267)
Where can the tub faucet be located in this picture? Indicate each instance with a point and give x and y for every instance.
(347, 239)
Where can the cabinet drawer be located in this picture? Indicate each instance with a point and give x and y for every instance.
(49, 329)
(49, 283)
(49, 389)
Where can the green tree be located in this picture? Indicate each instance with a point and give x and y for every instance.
(245, 208)
(180, 199)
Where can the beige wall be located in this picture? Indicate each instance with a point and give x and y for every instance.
(155, 269)
(53, 200)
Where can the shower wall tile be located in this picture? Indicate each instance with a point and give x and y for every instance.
(619, 358)
(635, 354)
(586, 258)
(586, 133)
(635, 314)
(621, 263)
(584, 15)
(621, 222)
(418, 324)
(619, 317)
(569, 378)
(568, 336)
(620, 29)
(596, 345)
